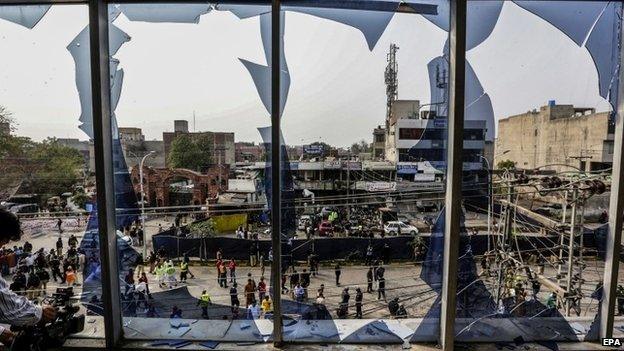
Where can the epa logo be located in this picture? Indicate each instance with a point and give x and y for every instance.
(613, 342)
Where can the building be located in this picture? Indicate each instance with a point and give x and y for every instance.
(379, 143)
(249, 152)
(130, 134)
(223, 151)
(159, 188)
(416, 143)
(135, 147)
(557, 137)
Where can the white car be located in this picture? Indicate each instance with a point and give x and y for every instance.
(392, 228)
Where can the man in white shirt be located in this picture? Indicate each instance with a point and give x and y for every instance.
(15, 309)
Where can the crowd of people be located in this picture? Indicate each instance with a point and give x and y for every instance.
(31, 270)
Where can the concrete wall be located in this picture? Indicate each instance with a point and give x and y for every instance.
(553, 135)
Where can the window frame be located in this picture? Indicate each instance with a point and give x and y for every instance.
(100, 88)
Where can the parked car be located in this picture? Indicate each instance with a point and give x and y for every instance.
(325, 229)
(30, 209)
(6, 205)
(392, 228)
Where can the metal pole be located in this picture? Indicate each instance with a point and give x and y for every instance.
(457, 63)
(571, 250)
(490, 202)
(104, 176)
(276, 182)
(616, 208)
(143, 204)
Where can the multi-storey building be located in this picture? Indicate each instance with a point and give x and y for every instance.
(557, 137)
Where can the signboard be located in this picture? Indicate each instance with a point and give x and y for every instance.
(439, 123)
(316, 149)
(424, 177)
(407, 168)
(352, 165)
(332, 164)
(380, 186)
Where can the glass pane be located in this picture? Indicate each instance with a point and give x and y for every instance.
(536, 194)
(190, 159)
(363, 187)
(46, 160)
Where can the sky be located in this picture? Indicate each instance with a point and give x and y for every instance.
(337, 92)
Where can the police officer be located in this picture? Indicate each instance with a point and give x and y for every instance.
(204, 302)
(358, 302)
(183, 271)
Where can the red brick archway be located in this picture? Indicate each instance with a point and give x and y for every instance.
(156, 183)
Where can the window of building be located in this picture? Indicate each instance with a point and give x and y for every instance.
(411, 133)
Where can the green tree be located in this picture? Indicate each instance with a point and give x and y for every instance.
(191, 152)
(80, 198)
(506, 164)
(6, 116)
(360, 147)
(203, 229)
(56, 168)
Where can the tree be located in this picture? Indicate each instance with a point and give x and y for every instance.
(80, 199)
(191, 152)
(360, 147)
(506, 164)
(56, 168)
(203, 229)
(6, 116)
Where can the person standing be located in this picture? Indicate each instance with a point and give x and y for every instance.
(298, 292)
(234, 296)
(140, 236)
(143, 279)
(232, 266)
(369, 280)
(183, 271)
(252, 255)
(262, 289)
(129, 280)
(294, 279)
(59, 246)
(250, 295)
(337, 272)
(305, 282)
(358, 303)
(59, 226)
(140, 262)
(55, 266)
(266, 305)
(188, 261)
(261, 261)
(381, 289)
(369, 254)
(343, 307)
(223, 275)
(204, 302)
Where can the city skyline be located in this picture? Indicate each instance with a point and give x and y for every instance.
(332, 74)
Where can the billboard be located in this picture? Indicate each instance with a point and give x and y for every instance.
(316, 149)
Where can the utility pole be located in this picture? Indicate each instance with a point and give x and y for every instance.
(507, 232)
(581, 158)
(562, 238)
(571, 249)
(348, 187)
